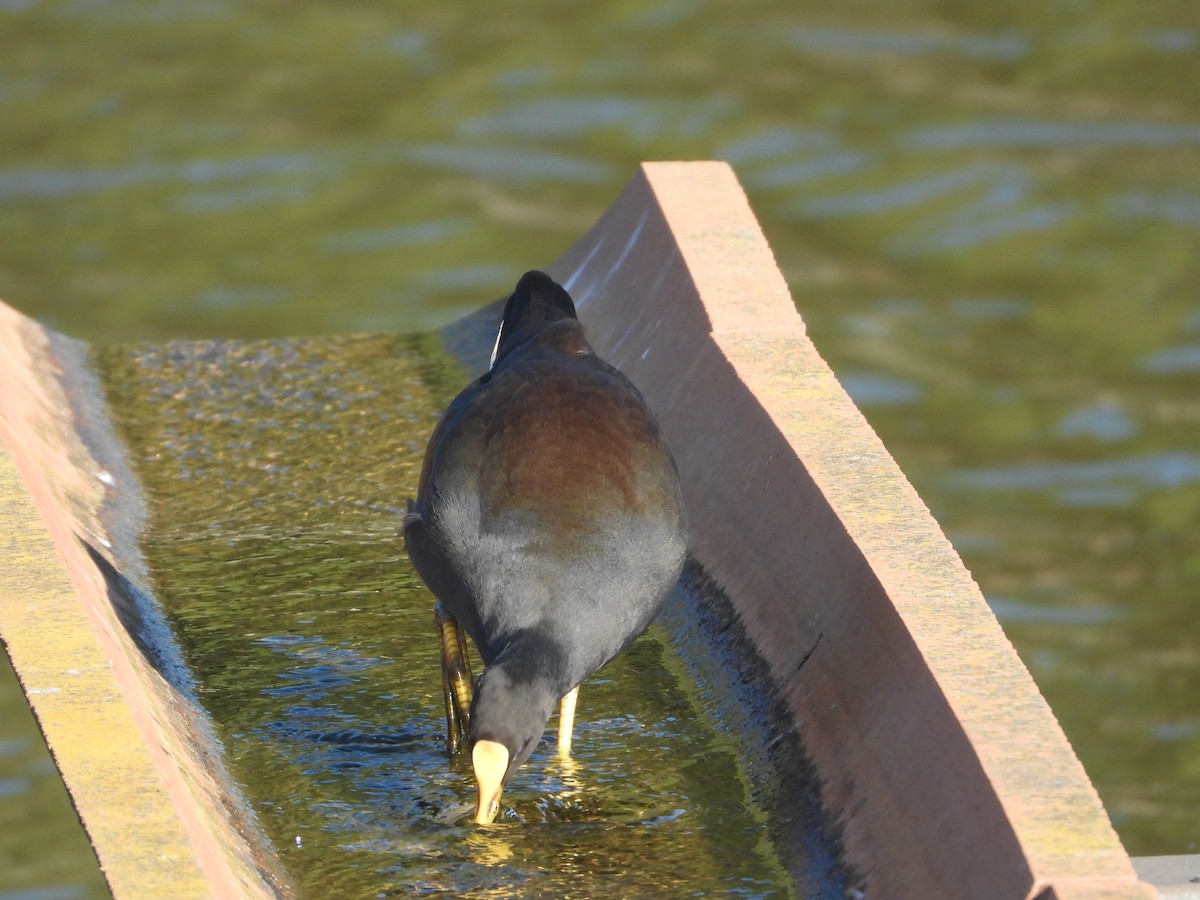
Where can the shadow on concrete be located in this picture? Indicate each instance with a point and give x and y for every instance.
(144, 622)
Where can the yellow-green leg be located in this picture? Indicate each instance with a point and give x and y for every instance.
(457, 681)
(566, 720)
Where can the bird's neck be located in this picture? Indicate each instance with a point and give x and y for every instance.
(516, 695)
(534, 658)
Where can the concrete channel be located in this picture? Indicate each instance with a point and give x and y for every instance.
(944, 768)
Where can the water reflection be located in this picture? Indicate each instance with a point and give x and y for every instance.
(1012, 612)
(1107, 422)
(1172, 360)
(378, 239)
(873, 389)
(1005, 181)
(44, 184)
(1175, 209)
(862, 42)
(1166, 470)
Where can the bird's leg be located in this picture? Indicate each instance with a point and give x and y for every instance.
(453, 737)
(566, 720)
(457, 684)
(466, 693)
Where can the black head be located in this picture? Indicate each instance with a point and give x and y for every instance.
(512, 709)
(508, 717)
(537, 299)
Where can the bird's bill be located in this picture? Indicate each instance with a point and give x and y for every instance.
(490, 759)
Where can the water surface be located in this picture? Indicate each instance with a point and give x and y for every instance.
(276, 474)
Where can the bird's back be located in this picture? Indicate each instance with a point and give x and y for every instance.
(554, 502)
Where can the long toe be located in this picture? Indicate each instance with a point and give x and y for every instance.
(457, 683)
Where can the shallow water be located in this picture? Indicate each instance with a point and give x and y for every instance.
(276, 475)
(987, 213)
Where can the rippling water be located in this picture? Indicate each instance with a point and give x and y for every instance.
(988, 214)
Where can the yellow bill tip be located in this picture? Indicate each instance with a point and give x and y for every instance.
(490, 759)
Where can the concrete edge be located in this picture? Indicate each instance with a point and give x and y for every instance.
(82, 712)
(134, 747)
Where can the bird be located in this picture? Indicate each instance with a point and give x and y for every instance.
(549, 524)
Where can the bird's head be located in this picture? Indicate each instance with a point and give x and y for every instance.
(536, 300)
(507, 721)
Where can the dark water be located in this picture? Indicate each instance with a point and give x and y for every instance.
(988, 215)
(276, 475)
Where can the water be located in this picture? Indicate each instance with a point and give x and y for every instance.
(987, 213)
(276, 475)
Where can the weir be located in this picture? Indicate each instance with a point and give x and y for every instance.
(891, 740)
